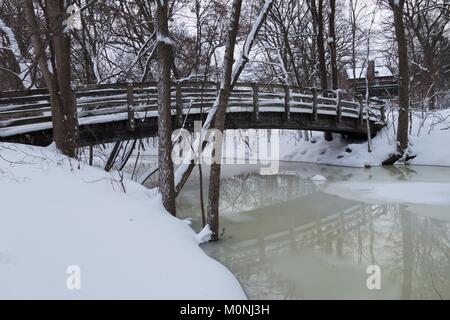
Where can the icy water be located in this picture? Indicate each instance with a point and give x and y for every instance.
(289, 237)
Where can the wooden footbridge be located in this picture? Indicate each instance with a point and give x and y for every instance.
(116, 112)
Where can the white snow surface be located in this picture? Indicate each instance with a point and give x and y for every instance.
(58, 213)
(380, 71)
(429, 139)
(426, 193)
(318, 177)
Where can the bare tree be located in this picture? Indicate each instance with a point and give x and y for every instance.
(166, 176)
(427, 19)
(397, 7)
(184, 171)
(58, 79)
(219, 122)
(318, 22)
(332, 44)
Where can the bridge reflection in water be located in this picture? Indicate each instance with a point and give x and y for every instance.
(285, 238)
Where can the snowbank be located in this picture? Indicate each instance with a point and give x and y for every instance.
(57, 213)
(406, 192)
(429, 138)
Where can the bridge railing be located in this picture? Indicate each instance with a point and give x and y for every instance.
(113, 102)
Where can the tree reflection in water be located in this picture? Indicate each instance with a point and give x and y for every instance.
(287, 239)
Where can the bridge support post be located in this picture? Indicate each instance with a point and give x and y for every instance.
(361, 113)
(314, 104)
(130, 106)
(218, 87)
(255, 102)
(77, 132)
(338, 107)
(179, 105)
(287, 100)
(383, 113)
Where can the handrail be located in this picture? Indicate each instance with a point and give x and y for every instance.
(33, 106)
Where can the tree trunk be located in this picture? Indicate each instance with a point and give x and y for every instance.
(332, 44)
(403, 118)
(64, 113)
(184, 172)
(317, 14)
(219, 123)
(318, 25)
(353, 42)
(166, 175)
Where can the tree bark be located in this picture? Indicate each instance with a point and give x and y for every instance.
(219, 123)
(317, 15)
(403, 118)
(332, 44)
(166, 175)
(64, 113)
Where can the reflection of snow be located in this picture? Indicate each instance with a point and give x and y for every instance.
(393, 192)
(318, 179)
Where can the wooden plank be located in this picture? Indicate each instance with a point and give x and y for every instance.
(361, 113)
(14, 122)
(287, 100)
(179, 105)
(254, 99)
(255, 102)
(23, 110)
(315, 104)
(130, 106)
(24, 100)
(23, 93)
(338, 106)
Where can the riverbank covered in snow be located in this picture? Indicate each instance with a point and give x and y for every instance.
(60, 216)
(429, 138)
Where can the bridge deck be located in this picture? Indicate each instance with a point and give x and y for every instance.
(115, 112)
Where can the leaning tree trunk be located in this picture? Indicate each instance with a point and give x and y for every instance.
(183, 173)
(219, 123)
(166, 175)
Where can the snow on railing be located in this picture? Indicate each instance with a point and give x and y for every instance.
(25, 108)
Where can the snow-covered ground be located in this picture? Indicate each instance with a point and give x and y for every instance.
(60, 218)
(429, 139)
